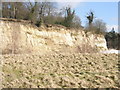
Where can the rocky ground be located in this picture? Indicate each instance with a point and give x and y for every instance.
(60, 71)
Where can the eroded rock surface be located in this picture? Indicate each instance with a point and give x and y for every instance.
(21, 37)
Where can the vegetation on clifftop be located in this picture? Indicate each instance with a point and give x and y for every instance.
(48, 13)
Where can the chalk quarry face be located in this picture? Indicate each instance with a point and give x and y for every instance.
(20, 38)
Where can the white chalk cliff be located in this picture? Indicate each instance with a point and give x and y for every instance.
(21, 37)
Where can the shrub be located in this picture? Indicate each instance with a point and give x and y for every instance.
(86, 48)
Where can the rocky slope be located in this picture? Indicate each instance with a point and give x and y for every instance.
(54, 57)
(60, 71)
(22, 37)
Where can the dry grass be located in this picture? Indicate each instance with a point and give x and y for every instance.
(86, 48)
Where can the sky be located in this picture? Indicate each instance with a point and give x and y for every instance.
(107, 11)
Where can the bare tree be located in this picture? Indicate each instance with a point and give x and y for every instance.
(45, 12)
(32, 6)
(99, 25)
(69, 17)
(6, 10)
(76, 22)
(15, 10)
(50, 8)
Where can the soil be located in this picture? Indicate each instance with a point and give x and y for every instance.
(60, 70)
